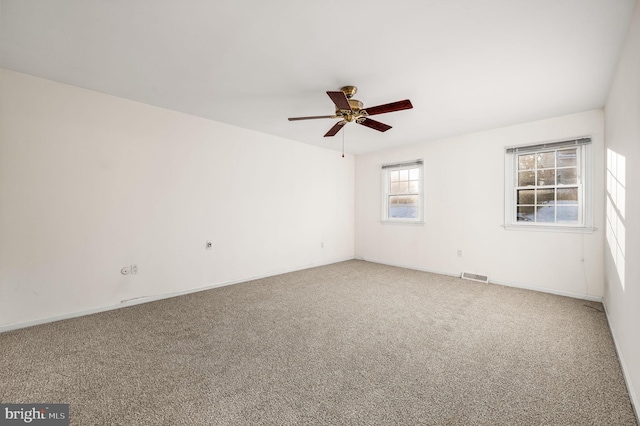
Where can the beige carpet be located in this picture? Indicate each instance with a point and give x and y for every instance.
(349, 343)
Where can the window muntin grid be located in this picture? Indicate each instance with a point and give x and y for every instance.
(403, 193)
(548, 187)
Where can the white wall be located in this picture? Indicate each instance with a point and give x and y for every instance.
(464, 192)
(90, 183)
(622, 124)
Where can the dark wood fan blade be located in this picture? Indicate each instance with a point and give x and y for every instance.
(313, 117)
(340, 99)
(393, 106)
(335, 129)
(376, 125)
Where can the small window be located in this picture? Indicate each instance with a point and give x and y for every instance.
(547, 185)
(402, 199)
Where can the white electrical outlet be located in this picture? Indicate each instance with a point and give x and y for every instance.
(459, 253)
(134, 269)
(125, 271)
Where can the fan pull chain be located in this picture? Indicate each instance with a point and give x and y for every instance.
(343, 132)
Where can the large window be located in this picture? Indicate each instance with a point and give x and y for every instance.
(402, 199)
(547, 185)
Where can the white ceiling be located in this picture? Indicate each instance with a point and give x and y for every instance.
(466, 65)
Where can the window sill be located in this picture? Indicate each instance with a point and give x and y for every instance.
(542, 228)
(402, 222)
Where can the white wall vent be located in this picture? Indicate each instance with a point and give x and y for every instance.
(475, 277)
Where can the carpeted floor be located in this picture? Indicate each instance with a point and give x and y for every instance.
(349, 343)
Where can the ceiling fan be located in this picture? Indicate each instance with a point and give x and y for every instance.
(349, 110)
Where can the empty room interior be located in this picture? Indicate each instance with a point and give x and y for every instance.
(244, 212)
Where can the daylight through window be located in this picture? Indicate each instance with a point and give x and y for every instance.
(547, 184)
(402, 195)
(547, 187)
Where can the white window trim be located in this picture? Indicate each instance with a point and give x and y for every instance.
(386, 169)
(586, 172)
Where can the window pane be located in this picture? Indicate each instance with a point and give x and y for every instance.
(403, 199)
(568, 196)
(568, 176)
(545, 196)
(546, 160)
(414, 174)
(414, 187)
(526, 161)
(525, 196)
(546, 177)
(404, 174)
(567, 157)
(394, 188)
(525, 214)
(567, 213)
(527, 178)
(403, 206)
(545, 214)
(394, 175)
(403, 187)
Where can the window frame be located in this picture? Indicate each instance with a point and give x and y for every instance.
(386, 191)
(585, 176)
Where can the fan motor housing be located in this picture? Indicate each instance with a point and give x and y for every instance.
(354, 113)
(355, 104)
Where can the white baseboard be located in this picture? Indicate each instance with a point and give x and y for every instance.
(635, 403)
(492, 281)
(551, 291)
(153, 298)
